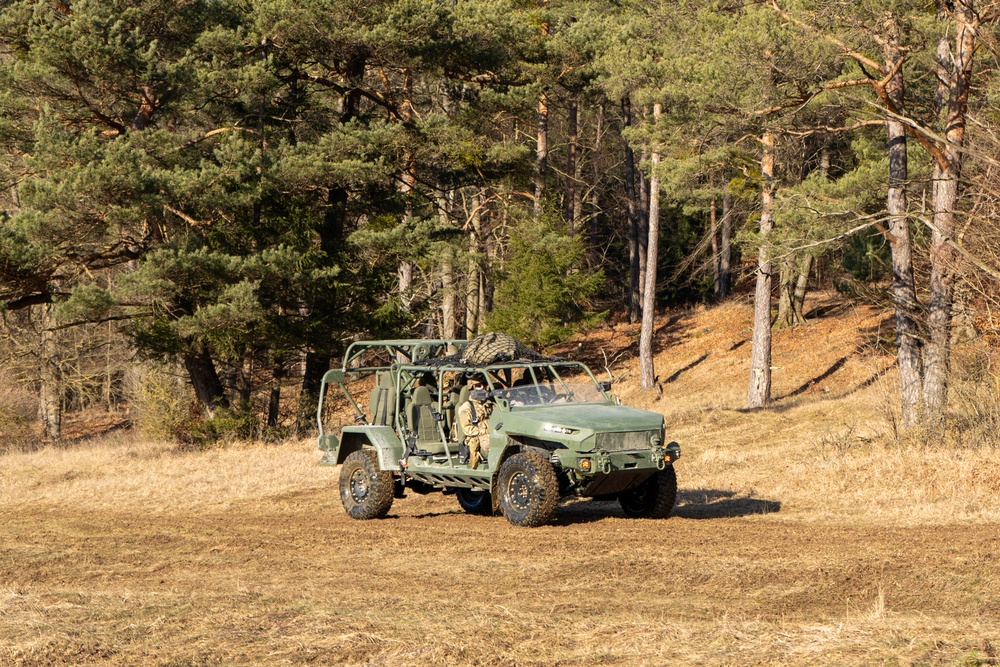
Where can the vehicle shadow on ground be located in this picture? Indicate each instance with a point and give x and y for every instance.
(691, 504)
(719, 504)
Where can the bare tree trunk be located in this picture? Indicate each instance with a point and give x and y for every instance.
(726, 246)
(541, 155)
(801, 286)
(472, 279)
(713, 229)
(643, 224)
(794, 282)
(316, 367)
(631, 197)
(759, 393)
(572, 173)
(646, 370)
(50, 393)
(448, 323)
(204, 378)
(904, 294)
(595, 204)
(786, 287)
(274, 400)
(408, 184)
(954, 78)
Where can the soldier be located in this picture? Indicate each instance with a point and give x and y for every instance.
(474, 416)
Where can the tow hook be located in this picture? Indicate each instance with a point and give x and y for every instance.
(660, 459)
(604, 463)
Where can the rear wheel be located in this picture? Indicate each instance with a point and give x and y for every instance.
(365, 491)
(528, 488)
(654, 498)
(475, 501)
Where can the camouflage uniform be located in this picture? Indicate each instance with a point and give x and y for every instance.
(477, 435)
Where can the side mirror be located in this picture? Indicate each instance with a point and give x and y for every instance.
(605, 385)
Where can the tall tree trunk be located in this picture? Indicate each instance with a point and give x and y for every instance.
(643, 224)
(448, 323)
(786, 288)
(472, 279)
(632, 202)
(408, 182)
(572, 188)
(954, 78)
(759, 393)
(50, 393)
(801, 286)
(315, 367)
(595, 204)
(904, 294)
(726, 245)
(204, 378)
(713, 229)
(646, 369)
(274, 400)
(541, 155)
(331, 237)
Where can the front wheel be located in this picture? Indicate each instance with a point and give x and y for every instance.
(654, 498)
(475, 501)
(365, 491)
(528, 488)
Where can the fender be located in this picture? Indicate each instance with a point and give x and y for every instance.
(382, 438)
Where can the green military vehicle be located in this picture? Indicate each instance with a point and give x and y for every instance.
(555, 431)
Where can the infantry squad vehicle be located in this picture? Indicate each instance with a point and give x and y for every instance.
(555, 431)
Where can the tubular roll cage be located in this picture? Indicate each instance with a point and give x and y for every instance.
(415, 351)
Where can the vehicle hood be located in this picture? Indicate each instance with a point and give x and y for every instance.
(595, 417)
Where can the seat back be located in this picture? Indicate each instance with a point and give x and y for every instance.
(422, 418)
(382, 402)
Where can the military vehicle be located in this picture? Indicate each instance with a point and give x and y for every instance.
(555, 431)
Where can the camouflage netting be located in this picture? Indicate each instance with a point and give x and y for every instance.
(491, 348)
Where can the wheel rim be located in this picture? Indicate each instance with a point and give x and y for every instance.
(640, 499)
(519, 491)
(359, 485)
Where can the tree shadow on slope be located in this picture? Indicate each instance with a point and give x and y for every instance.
(596, 354)
(678, 373)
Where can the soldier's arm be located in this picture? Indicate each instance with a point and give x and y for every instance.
(465, 419)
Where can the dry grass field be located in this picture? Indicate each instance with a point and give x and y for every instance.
(807, 534)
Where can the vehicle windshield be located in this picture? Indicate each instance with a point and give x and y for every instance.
(547, 394)
(548, 385)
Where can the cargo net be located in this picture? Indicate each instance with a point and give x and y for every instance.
(490, 348)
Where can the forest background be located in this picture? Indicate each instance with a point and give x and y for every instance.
(203, 202)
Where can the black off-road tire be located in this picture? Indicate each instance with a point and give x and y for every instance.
(365, 491)
(528, 489)
(654, 499)
(475, 501)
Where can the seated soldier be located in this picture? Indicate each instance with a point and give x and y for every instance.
(474, 417)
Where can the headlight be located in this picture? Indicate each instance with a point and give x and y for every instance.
(551, 428)
(585, 465)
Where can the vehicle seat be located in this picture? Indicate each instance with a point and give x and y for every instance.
(382, 403)
(422, 421)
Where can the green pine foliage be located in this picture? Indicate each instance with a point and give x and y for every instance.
(543, 293)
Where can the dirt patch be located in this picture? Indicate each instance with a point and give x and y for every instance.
(292, 580)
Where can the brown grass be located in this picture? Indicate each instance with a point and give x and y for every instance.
(805, 534)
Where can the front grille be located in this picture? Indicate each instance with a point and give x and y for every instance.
(619, 442)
